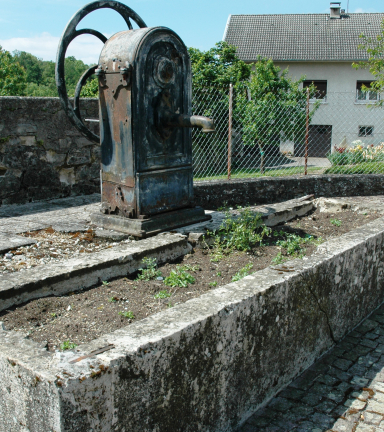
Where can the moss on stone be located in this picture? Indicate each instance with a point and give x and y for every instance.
(4, 140)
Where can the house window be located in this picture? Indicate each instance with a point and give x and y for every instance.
(365, 131)
(320, 86)
(365, 96)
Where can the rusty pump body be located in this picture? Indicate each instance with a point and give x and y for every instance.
(145, 126)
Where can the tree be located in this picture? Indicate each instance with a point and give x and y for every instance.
(375, 63)
(32, 66)
(212, 72)
(271, 107)
(218, 66)
(267, 105)
(12, 75)
(40, 75)
(91, 89)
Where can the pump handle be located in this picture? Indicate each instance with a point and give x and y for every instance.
(70, 33)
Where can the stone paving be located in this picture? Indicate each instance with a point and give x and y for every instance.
(342, 392)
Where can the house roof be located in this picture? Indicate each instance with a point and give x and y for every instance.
(301, 37)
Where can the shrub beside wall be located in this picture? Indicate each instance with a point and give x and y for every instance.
(41, 154)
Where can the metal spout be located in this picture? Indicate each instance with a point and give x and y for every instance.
(206, 124)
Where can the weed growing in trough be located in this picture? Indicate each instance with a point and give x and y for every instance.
(179, 278)
(245, 271)
(336, 222)
(150, 271)
(293, 246)
(66, 345)
(279, 258)
(127, 314)
(241, 232)
(162, 294)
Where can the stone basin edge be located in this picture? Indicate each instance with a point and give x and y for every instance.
(207, 364)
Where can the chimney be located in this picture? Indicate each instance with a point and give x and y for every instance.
(335, 9)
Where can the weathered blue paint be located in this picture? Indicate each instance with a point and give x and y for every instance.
(135, 141)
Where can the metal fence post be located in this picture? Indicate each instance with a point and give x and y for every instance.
(306, 135)
(230, 131)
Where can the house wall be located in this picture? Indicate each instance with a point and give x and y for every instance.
(341, 76)
(340, 108)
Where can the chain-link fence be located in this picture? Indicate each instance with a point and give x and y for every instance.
(331, 133)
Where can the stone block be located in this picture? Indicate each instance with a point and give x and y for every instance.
(67, 176)
(9, 242)
(56, 159)
(65, 144)
(79, 157)
(82, 142)
(28, 140)
(88, 172)
(9, 184)
(26, 129)
(39, 173)
(96, 153)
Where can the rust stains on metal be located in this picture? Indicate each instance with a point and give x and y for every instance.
(145, 89)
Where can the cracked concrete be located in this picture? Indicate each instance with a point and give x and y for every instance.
(321, 309)
(342, 392)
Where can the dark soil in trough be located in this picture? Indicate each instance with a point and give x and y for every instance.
(82, 316)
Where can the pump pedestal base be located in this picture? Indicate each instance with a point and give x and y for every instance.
(148, 227)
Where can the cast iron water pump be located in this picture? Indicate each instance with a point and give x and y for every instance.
(145, 119)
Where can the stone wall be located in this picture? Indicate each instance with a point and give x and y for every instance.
(214, 194)
(42, 155)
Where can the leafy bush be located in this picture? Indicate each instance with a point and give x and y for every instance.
(337, 158)
(357, 154)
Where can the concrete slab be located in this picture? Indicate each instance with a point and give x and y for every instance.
(78, 273)
(271, 215)
(358, 204)
(74, 215)
(10, 242)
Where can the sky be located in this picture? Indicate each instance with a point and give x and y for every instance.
(35, 26)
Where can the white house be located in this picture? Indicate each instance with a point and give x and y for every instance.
(322, 47)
